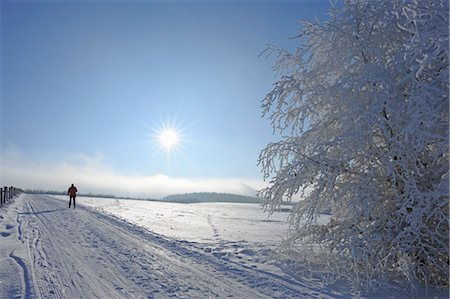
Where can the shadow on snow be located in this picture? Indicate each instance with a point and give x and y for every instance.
(41, 212)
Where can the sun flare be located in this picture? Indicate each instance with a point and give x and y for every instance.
(168, 138)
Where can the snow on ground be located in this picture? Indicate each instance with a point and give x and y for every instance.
(236, 232)
(109, 248)
(13, 254)
(50, 251)
(197, 222)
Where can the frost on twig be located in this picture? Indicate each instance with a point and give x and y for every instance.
(363, 108)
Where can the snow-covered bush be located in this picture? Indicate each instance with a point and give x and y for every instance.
(363, 107)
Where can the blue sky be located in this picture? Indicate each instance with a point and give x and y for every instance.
(88, 86)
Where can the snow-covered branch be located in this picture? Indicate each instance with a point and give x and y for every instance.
(363, 106)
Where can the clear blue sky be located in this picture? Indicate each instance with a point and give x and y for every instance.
(100, 80)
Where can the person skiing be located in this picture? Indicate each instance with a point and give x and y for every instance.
(72, 192)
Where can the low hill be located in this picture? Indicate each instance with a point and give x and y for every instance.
(210, 197)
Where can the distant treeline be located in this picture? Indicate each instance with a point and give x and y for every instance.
(179, 198)
(210, 197)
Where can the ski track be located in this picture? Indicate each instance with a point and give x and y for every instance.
(83, 253)
(26, 276)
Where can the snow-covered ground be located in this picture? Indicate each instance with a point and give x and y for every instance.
(215, 223)
(240, 233)
(109, 248)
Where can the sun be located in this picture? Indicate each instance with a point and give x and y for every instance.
(168, 138)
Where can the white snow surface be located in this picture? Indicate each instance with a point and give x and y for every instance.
(110, 248)
(197, 222)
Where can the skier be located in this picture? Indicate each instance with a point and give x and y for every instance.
(72, 192)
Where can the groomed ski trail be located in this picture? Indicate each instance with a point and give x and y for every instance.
(82, 253)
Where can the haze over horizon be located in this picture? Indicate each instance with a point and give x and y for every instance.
(139, 98)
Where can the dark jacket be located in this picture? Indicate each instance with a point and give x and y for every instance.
(72, 192)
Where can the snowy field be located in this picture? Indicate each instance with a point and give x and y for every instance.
(232, 231)
(109, 248)
(236, 232)
(197, 222)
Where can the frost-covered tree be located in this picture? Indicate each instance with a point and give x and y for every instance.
(363, 107)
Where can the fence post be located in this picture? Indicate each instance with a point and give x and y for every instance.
(8, 193)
